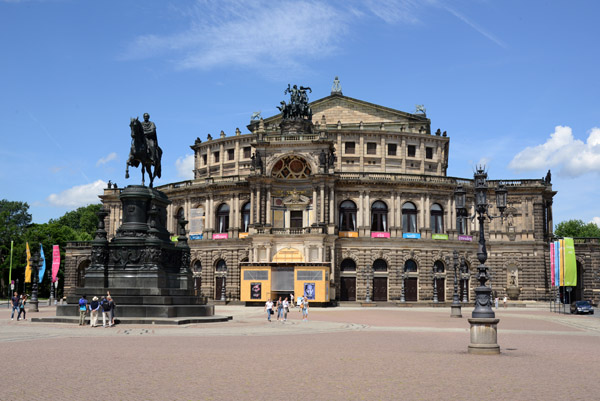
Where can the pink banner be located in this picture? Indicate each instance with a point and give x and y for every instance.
(380, 234)
(552, 264)
(220, 236)
(55, 262)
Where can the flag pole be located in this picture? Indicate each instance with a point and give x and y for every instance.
(10, 273)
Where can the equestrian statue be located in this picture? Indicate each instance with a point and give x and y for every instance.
(144, 148)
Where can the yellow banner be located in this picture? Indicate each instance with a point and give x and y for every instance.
(570, 263)
(28, 267)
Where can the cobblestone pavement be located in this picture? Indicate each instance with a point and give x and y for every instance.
(345, 353)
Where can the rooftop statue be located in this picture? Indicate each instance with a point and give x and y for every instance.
(297, 108)
(144, 148)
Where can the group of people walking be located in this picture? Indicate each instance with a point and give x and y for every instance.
(18, 304)
(283, 308)
(106, 306)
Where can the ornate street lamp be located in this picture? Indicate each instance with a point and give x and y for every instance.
(223, 298)
(455, 308)
(35, 265)
(483, 303)
(369, 283)
(464, 272)
(435, 294)
(402, 293)
(483, 320)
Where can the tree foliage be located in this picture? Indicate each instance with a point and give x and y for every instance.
(577, 229)
(15, 225)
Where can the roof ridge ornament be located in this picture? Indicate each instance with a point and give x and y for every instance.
(336, 88)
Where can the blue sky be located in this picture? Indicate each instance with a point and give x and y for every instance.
(514, 83)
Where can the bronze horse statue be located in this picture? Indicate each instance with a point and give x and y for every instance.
(142, 153)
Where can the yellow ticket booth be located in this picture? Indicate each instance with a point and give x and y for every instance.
(260, 282)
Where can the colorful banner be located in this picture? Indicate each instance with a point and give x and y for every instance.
(552, 264)
(220, 236)
(562, 262)
(196, 222)
(348, 234)
(570, 263)
(411, 235)
(465, 238)
(43, 268)
(28, 267)
(55, 261)
(439, 236)
(556, 263)
(380, 234)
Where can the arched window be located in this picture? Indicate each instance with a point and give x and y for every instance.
(348, 265)
(379, 216)
(410, 266)
(348, 216)
(197, 267)
(438, 266)
(222, 218)
(291, 168)
(409, 217)
(245, 217)
(380, 265)
(221, 266)
(81, 273)
(437, 219)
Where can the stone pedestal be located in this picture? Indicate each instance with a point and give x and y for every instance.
(146, 273)
(455, 310)
(484, 336)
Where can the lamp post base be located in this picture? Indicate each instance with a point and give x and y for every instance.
(33, 306)
(455, 310)
(484, 336)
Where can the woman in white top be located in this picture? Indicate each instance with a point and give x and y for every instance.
(286, 309)
(269, 309)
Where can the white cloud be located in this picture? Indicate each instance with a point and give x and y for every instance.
(596, 221)
(572, 157)
(266, 34)
(185, 167)
(104, 160)
(79, 195)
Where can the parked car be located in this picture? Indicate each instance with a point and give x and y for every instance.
(578, 307)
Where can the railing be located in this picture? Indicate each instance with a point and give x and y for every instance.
(289, 231)
(435, 179)
(291, 138)
(79, 244)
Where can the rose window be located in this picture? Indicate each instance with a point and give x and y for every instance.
(291, 167)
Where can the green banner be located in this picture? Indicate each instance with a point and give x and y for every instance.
(570, 263)
(439, 236)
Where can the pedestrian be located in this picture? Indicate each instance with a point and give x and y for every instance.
(299, 302)
(496, 302)
(83, 309)
(279, 309)
(112, 309)
(105, 312)
(22, 310)
(504, 300)
(292, 299)
(94, 308)
(304, 308)
(286, 309)
(269, 309)
(15, 305)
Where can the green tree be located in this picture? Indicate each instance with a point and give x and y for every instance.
(576, 229)
(82, 220)
(14, 220)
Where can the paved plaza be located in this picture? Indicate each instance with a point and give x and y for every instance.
(345, 353)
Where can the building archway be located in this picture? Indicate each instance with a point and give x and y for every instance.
(348, 280)
(439, 270)
(380, 281)
(411, 281)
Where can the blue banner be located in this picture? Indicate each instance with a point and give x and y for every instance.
(411, 235)
(43, 268)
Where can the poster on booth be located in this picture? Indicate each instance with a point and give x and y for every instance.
(255, 290)
(196, 223)
(309, 291)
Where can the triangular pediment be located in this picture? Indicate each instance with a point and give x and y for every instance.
(348, 110)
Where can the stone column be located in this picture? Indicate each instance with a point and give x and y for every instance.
(367, 209)
(268, 211)
(322, 206)
(258, 202)
(359, 212)
(392, 211)
(221, 159)
(252, 205)
(313, 217)
(331, 206)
